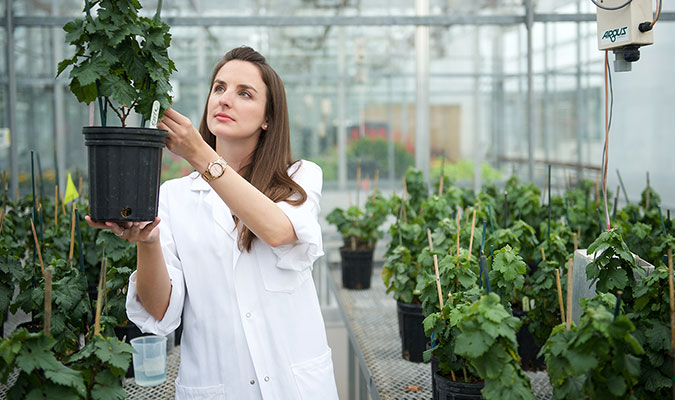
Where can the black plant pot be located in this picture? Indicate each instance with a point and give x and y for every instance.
(411, 328)
(126, 333)
(357, 268)
(528, 348)
(434, 370)
(124, 172)
(451, 390)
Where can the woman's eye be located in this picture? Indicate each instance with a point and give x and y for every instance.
(218, 89)
(245, 94)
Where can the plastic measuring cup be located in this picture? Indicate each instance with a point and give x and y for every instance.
(149, 360)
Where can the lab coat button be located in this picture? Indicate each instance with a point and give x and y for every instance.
(252, 382)
(248, 315)
(267, 379)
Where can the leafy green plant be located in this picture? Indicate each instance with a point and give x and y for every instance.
(652, 330)
(507, 274)
(361, 226)
(399, 274)
(120, 57)
(41, 374)
(599, 359)
(614, 268)
(103, 362)
(454, 277)
(487, 340)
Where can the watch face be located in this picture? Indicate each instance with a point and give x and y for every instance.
(216, 170)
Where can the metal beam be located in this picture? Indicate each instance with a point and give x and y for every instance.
(387, 20)
(530, 94)
(11, 98)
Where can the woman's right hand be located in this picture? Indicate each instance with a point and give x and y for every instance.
(144, 232)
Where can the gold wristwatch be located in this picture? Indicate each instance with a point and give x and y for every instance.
(215, 170)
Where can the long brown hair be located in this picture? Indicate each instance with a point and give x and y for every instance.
(269, 163)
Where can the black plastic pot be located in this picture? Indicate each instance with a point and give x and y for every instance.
(451, 390)
(528, 348)
(434, 370)
(357, 268)
(411, 327)
(124, 172)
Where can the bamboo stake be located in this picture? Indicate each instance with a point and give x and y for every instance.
(63, 205)
(79, 185)
(672, 314)
(99, 297)
(56, 205)
(2, 218)
(569, 293)
(473, 226)
(543, 255)
(72, 237)
(575, 242)
(37, 246)
(438, 276)
(560, 296)
(48, 301)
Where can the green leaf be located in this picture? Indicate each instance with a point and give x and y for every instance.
(108, 387)
(62, 375)
(114, 352)
(89, 71)
(616, 385)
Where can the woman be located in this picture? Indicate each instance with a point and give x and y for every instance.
(233, 253)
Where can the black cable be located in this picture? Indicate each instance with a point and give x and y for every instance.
(612, 8)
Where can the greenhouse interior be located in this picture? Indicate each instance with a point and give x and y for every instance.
(427, 199)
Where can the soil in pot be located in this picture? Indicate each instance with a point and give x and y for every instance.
(413, 339)
(357, 268)
(528, 348)
(448, 389)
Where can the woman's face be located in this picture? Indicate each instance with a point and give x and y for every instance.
(236, 106)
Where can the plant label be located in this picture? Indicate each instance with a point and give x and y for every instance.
(155, 114)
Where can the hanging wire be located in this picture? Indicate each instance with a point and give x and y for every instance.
(609, 106)
(657, 14)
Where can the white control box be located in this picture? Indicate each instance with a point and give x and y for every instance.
(620, 28)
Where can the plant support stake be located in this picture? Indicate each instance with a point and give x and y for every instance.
(623, 188)
(438, 276)
(560, 296)
(473, 226)
(37, 246)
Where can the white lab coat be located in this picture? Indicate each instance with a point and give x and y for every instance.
(252, 325)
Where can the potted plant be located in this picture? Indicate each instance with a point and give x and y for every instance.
(476, 348)
(121, 60)
(360, 229)
(599, 358)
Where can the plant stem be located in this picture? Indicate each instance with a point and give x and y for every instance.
(37, 246)
(72, 236)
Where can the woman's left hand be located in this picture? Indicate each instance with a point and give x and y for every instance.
(184, 140)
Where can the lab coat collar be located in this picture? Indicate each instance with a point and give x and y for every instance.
(219, 210)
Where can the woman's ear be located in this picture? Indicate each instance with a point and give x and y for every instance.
(265, 126)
